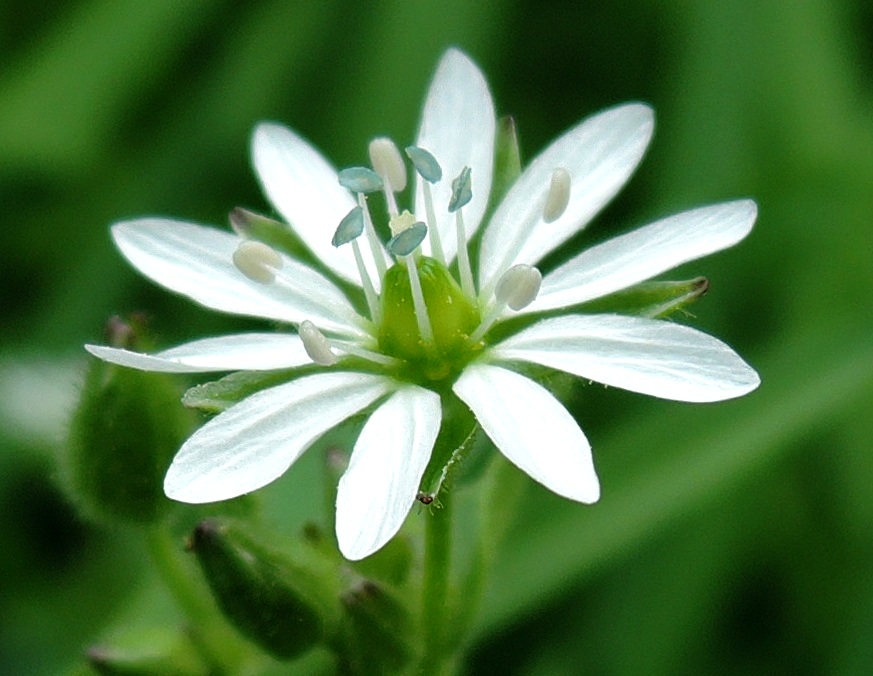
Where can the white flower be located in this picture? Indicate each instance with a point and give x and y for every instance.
(426, 337)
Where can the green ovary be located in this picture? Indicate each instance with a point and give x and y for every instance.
(453, 317)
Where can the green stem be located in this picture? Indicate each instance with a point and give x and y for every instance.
(435, 599)
(217, 641)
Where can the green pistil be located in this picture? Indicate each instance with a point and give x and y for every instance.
(453, 316)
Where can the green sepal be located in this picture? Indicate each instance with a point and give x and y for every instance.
(378, 627)
(125, 431)
(276, 235)
(649, 299)
(285, 602)
(507, 159)
(153, 652)
(459, 433)
(219, 395)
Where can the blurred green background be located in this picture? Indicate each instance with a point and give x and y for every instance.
(734, 538)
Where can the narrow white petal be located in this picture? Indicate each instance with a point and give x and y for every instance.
(389, 459)
(303, 187)
(599, 154)
(197, 262)
(653, 357)
(531, 428)
(241, 352)
(639, 255)
(255, 441)
(458, 128)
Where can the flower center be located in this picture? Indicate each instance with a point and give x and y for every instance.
(453, 317)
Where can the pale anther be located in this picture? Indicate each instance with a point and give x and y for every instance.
(387, 162)
(518, 287)
(315, 344)
(360, 179)
(401, 222)
(558, 196)
(257, 261)
(425, 164)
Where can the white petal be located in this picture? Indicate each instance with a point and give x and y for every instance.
(255, 441)
(599, 154)
(389, 459)
(196, 261)
(644, 253)
(531, 428)
(241, 352)
(654, 357)
(302, 186)
(458, 128)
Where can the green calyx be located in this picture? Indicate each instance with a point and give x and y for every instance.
(453, 316)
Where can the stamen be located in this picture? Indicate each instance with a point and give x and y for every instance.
(315, 344)
(373, 239)
(462, 193)
(364, 353)
(558, 196)
(401, 223)
(518, 287)
(360, 179)
(349, 229)
(386, 161)
(430, 170)
(257, 261)
(403, 245)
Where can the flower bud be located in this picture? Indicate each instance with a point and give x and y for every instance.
(286, 604)
(379, 627)
(123, 435)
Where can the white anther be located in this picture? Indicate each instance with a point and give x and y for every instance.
(519, 286)
(558, 197)
(388, 163)
(315, 344)
(257, 261)
(401, 223)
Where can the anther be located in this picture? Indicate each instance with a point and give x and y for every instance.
(349, 229)
(462, 193)
(315, 344)
(519, 286)
(387, 162)
(407, 239)
(257, 261)
(360, 179)
(430, 170)
(558, 196)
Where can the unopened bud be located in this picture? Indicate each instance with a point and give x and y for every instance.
(286, 605)
(387, 162)
(379, 628)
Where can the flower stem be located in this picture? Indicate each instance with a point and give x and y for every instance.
(217, 642)
(435, 599)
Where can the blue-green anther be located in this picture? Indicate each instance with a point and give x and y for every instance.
(404, 243)
(462, 191)
(360, 179)
(349, 228)
(425, 164)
